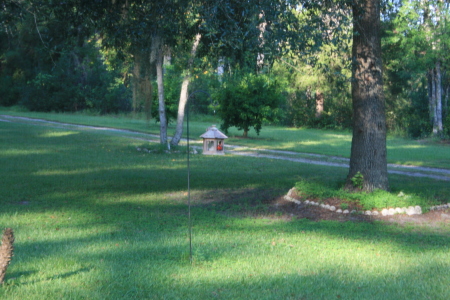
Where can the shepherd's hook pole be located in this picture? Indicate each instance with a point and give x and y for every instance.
(189, 171)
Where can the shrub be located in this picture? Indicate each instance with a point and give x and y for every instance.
(9, 91)
(79, 81)
(447, 125)
(248, 101)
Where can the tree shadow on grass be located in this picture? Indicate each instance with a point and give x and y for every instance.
(23, 275)
(158, 267)
(17, 274)
(148, 246)
(143, 244)
(234, 199)
(330, 282)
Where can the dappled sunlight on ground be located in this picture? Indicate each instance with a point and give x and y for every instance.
(50, 134)
(23, 152)
(406, 146)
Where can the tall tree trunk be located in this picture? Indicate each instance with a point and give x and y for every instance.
(135, 82)
(221, 68)
(147, 93)
(159, 59)
(184, 93)
(368, 151)
(433, 101)
(439, 99)
(260, 56)
(142, 88)
(319, 104)
(445, 110)
(430, 79)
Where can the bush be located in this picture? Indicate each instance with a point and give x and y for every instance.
(418, 126)
(300, 110)
(248, 101)
(447, 125)
(76, 84)
(9, 91)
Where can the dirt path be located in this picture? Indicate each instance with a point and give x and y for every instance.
(324, 160)
(307, 158)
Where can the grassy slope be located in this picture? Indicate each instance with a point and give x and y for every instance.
(337, 143)
(96, 219)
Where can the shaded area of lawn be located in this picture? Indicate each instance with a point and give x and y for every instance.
(94, 218)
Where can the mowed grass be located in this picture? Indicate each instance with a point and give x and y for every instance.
(96, 219)
(402, 151)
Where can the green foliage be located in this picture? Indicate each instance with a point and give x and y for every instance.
(205, 79)
(39, 42)
(248, 101)
(13, 76)
(382, 199)
(79, 81)
(413, 41)
(323, 74)
(172, 87)
(300, 109)
(344, 206)
(358, 180)
(52, 61)
(377, 199)
(9, 91)
(447, 125)
(236, 32)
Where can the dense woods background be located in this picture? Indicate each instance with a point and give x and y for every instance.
(102, 57)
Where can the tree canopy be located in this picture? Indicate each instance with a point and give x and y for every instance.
(113, 55)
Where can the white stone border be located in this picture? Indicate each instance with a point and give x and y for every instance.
(411, 210)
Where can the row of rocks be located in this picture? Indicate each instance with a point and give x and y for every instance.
(440, 207)
(411, 210)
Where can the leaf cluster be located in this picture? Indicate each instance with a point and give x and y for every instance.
(248, 101)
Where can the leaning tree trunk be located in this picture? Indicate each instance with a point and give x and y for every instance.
(184, 94)
(368, 151)
(159, 56)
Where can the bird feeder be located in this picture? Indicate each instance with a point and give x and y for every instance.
(213, 141)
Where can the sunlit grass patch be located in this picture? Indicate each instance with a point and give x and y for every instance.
(24, 152)
(58, 134)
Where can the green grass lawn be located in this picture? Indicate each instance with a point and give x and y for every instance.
(329, 142)
(96, 219)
